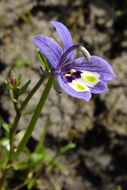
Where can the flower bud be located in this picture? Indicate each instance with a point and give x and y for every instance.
(13, 79)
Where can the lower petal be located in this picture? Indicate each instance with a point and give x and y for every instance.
(82, 95)
(90, 78)
(78, 85)
(99, 88)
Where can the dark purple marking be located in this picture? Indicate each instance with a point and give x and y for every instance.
(76, 75)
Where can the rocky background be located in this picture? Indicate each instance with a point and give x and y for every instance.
(99, 127)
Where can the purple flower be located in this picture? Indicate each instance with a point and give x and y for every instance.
(77, 77)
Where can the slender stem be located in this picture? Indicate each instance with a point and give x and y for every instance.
(18, 115)
(3, 178)
(16, 108)
(12, 134)
(14, 125)
(34, 118)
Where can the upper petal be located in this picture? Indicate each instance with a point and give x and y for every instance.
(83, 95)
(95, 64)
(64, 34)
(50, 48)
(65, 56)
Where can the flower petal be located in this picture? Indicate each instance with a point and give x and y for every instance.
(90, 78)
(96, 64)
(64, 34)
(83, 95)
(79, 85)
(64, 60)
(50, 48)
(99, 88)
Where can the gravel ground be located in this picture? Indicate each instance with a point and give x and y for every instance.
(99, 127)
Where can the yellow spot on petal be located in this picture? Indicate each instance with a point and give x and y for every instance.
(90, 78)
(73, 71)
(67, 75)
(80, 87)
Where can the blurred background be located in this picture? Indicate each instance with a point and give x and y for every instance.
(99, 128)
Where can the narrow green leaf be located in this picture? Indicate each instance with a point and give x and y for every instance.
(59, 153)
(40, 146)
(21, 166)
(11, 93)
(37, 157)
(12, 96)
(39, 57)
(43, 60)
(24, 88)
(35, 117)
(19, 77)
(5, 125)
(27, 99)
(66, 148)
(29, 111)
(10, 86)
(20, 63)
(119, 187)
(5, 81)
(11, 73)
(31, 183)
(14, 100)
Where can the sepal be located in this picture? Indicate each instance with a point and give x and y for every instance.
(56, 85)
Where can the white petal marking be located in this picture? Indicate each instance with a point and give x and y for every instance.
(78, 85)
(90, 78)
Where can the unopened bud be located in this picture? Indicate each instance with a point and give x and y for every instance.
(13, 79)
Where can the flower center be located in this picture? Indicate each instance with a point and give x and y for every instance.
(72, 75)
(81, 80)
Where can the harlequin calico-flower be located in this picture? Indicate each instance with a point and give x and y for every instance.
(77, 77)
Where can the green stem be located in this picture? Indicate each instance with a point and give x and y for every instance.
(11, 136)
(35, 117)
(14, 125)
(18, 115)
(3, 178)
